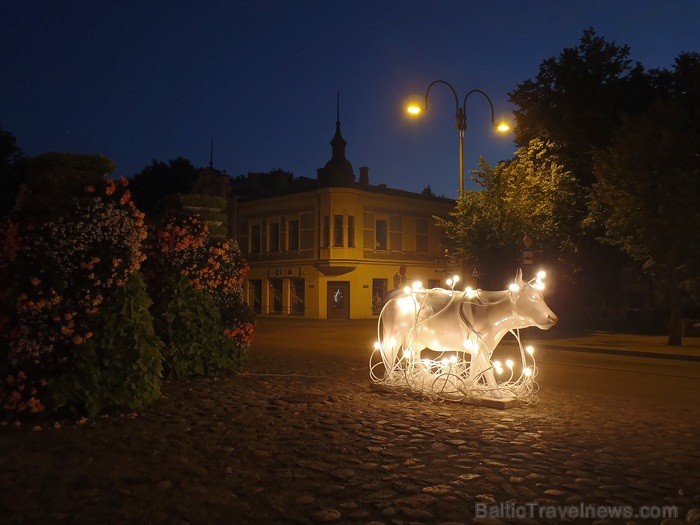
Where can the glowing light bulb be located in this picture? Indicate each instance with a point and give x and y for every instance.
(417, 285)
(509, 363)
(527, 372)
(513, 287)
(426, 362)
(539, 285)
(503, 127)
(407, 352)
(392, 341)
(449, 282)
(530, 349)
(445, 361)
(467, 344)
(455, 279)
(541, 274)
(407, 290)
(497, 364)
(413, 109)
(377, 345)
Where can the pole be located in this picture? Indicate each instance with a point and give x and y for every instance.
(461, 162)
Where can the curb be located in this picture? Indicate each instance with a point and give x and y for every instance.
(614, 351)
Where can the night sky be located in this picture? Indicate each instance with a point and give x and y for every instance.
(138, 81)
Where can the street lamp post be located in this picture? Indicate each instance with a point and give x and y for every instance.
(461, 118)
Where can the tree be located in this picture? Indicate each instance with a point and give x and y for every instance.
(13, 165)
(158, 180)
(578, 98)
(532, 194)
(54, 179)
(647, 190)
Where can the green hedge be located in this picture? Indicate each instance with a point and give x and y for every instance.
(189, 323)
(121, 366)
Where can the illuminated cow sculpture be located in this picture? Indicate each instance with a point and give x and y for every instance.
(461, 330)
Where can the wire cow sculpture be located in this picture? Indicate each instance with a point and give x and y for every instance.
(460, 330)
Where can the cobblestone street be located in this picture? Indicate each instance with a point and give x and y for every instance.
(298, 437)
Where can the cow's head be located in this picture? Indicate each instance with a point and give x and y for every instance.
(528, 304)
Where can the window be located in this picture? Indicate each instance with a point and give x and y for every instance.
(379, 288)
(276, 296)
(326, 232)
(422, 235)
(255, 295)
(293, 235)
(255, 246)
(395, 224)
(380, 235)
(351, 231)
(296, 296)
(337, 230)
(274, 237)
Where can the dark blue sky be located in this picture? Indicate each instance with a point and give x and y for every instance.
(154, 79)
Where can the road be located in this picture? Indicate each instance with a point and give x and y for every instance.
(666, 383)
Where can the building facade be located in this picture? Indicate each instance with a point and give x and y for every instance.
(332, 250)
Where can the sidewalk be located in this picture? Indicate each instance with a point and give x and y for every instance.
(650, 346)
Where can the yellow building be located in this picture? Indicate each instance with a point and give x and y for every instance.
(332, 249)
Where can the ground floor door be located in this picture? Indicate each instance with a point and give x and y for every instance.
(338, 300)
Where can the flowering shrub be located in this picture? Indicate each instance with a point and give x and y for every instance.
(182, 247)
(63, 272)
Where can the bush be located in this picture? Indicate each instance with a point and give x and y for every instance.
(183, 247)
(121, 365)
(190, 325)
(64, 272)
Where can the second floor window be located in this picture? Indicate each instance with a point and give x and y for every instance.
(255, 245)
(381, 235)
(326, 232)
(293, 235)
(274, 237)
(422, 235)
(337, 230)
(351, 231)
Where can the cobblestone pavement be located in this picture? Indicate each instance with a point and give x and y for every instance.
(298, 437)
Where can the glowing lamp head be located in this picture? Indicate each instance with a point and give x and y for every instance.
(503, 127)
(414, 110)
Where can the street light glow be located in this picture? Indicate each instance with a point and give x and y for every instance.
(503, 127)
(413, 109)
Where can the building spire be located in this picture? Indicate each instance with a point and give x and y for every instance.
(211, 154)
(337, 108)
(338, 170)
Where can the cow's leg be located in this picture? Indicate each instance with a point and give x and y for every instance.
(481, 365)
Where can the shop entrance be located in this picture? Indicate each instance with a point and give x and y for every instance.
(338, 300)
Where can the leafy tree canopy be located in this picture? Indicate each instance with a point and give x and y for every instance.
(647, 190)
(13, 165)
(533, 194)
(158, 180)
(578, 98)
(54, 179)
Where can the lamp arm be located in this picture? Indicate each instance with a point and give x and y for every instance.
(488, 99)
(427, 92)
